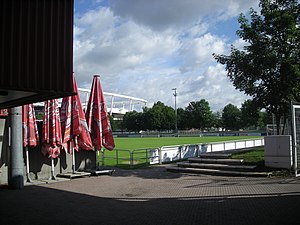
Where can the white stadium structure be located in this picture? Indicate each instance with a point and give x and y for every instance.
(117, 105)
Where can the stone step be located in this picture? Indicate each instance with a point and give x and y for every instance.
(215, 155)
(216, 166)
(216, 172)
(216, 161)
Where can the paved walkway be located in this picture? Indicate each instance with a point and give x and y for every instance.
(154, 196)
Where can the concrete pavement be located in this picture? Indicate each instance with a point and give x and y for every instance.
(154, 196)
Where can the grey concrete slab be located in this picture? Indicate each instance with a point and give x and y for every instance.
(215, 155)
(74, 175)
(154, 196)
(221, 161)
(218, 172)
(216, 166)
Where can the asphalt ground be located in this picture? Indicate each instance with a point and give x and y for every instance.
(154, 196)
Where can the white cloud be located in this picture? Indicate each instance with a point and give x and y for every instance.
(127, 40)
(212, 85)
(239, 44)
(165, 14)
(198, 52)
(117, 47)
(144, 55)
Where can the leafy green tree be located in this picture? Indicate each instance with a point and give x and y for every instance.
(217, 121)
(250, 115)
(268, 68)
(182, 119)
(133, 121)
(112, 123)
(265, 118)
(160, 117)
(231, 117)
(199, 114)
(154, 116)
(168, 120)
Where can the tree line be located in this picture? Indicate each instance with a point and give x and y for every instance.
(197, 115)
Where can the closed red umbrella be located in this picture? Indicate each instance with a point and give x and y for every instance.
(51, 138)
(98, 119)
(3, 113)
(74, 127)
(30, 132)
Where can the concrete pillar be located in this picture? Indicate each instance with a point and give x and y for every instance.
(16, 165)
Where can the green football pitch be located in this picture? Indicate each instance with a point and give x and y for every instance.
(129, 149)
(154, 142)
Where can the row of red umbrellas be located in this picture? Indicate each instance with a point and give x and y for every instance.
(70, 128)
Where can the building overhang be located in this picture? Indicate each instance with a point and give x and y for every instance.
(36, 51)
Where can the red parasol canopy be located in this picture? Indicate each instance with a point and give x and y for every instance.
(51, 138)
(97, 118)
(3, 112)
(30, 131)
(74, 127)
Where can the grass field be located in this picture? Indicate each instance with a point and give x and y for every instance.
(150, 142)
(128, 148)
(254, 157)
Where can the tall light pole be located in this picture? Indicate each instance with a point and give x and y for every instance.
(175, 95)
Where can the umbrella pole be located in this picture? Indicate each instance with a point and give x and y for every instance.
(73, 160)
(27, 165)
(52, 170)
(98, 158)
(102, 156)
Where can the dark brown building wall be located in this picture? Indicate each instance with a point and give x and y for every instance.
(36, 50)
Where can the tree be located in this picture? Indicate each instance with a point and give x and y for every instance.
(182, 119)
(250, 115)
(133, 121)
(112, 123)
(160, 117)
(217, 121)
(265, 119)
(199, 114)
(268, 68)
(168, 120)
(231, 117)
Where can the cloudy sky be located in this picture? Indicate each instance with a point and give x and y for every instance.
(144, 48)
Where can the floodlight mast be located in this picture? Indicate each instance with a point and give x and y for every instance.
(175, 95)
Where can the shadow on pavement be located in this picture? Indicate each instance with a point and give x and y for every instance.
(45, 205)
(151, 172)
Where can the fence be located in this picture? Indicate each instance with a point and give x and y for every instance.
(165, 154)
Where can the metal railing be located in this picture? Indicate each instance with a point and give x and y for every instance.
(149, 156)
